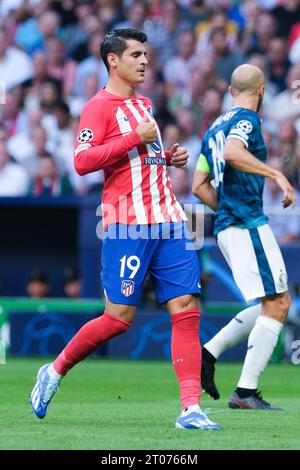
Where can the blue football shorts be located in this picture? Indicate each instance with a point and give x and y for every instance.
(164, 250)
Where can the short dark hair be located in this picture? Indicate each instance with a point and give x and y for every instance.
(71, 274)
(37, 275)
(61, 105)
(115, 42)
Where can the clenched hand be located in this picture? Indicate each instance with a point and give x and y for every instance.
(146, 130)
(178, 156)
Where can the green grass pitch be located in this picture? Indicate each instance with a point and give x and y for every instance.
(108, 405)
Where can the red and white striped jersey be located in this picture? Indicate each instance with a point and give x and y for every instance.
(137, 188)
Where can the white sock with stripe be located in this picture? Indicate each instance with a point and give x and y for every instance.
(234, 332)
(261, 343)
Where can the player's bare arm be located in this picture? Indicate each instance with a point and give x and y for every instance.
(238, 156)
(203, 189)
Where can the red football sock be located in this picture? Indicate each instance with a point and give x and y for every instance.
(88, 339)
(186, 355)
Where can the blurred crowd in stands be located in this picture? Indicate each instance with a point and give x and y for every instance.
(39, 286)
(50, 65)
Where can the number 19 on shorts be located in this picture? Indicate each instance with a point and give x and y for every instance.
(133, 263)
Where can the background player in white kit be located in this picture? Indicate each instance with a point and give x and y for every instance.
(232, 156)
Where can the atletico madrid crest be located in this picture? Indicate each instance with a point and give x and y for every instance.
(127, 288)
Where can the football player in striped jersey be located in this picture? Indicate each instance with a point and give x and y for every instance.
(144, 227)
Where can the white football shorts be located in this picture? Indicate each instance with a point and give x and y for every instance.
(255, 260)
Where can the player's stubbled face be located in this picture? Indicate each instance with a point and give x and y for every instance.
(132, 63)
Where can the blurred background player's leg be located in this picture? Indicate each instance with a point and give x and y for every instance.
(232, 334)
(260, 274)
(261, 343)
